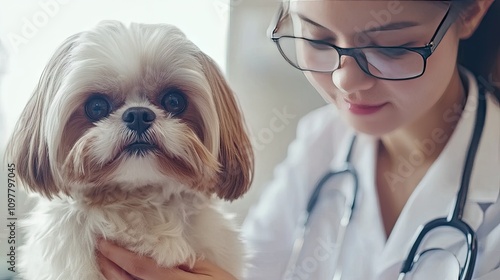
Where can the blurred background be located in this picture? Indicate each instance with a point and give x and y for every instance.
(272, 94)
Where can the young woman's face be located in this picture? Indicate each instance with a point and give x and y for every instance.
(369, 104)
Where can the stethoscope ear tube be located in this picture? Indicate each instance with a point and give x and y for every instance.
(470, 237)
(347, 168)
(458, 210)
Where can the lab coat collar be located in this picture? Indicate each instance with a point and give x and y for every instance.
(435, 195)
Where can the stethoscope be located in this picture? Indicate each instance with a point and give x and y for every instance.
(454, 219)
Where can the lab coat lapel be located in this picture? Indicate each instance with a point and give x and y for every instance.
(436, 193)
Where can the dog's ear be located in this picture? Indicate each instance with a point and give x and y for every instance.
(27, 147)
(235, 151)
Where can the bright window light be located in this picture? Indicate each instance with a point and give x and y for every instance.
(32, 30)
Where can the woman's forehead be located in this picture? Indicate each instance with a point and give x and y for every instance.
(367, 11)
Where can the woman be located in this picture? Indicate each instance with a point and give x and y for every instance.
(412, 111)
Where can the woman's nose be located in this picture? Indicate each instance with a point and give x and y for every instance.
(350, 78)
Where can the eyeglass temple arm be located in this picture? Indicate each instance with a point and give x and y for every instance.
(273, 27)
(444, 25)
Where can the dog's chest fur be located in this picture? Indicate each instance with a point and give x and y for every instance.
(61, 235)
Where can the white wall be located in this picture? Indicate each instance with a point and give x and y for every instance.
(32, 30)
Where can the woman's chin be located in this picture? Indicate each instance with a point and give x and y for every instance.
(370, 127)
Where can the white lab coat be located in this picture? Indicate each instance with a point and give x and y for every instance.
(321, 144)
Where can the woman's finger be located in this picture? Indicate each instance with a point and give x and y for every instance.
(140, 266)
(128, 261)
(110, 270)
(146, 268)
(208, 269)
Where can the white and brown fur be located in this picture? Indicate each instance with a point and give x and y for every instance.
(160, 204)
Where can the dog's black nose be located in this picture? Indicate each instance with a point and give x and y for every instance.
(138, 119)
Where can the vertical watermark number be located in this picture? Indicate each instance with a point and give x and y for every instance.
(11, 216)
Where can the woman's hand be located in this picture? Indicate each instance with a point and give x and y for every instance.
(117, 263)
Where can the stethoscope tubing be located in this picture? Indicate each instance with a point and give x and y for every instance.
(347, 168)
(453, 220)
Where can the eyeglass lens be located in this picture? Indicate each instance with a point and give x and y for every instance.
(388, 63)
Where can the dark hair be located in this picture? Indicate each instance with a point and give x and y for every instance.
(481, 52)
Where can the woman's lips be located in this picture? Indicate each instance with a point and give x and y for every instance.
(361, 109)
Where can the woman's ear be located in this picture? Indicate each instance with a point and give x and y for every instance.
(472, 16)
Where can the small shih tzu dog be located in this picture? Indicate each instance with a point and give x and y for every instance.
(130, 135)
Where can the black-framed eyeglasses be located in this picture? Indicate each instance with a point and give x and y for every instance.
(382, 62)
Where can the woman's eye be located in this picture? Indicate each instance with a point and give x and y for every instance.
(97, 107)
(174, 101)
(393, 52)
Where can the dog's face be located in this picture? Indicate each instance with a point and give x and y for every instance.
(133, 107)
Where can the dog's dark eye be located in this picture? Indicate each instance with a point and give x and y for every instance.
(97, 107)
(174, 101)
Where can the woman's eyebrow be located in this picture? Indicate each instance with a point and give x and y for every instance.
(306, 19)
(392, 26)
(386, 27)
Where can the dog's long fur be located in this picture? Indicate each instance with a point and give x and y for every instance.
(158, 203)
